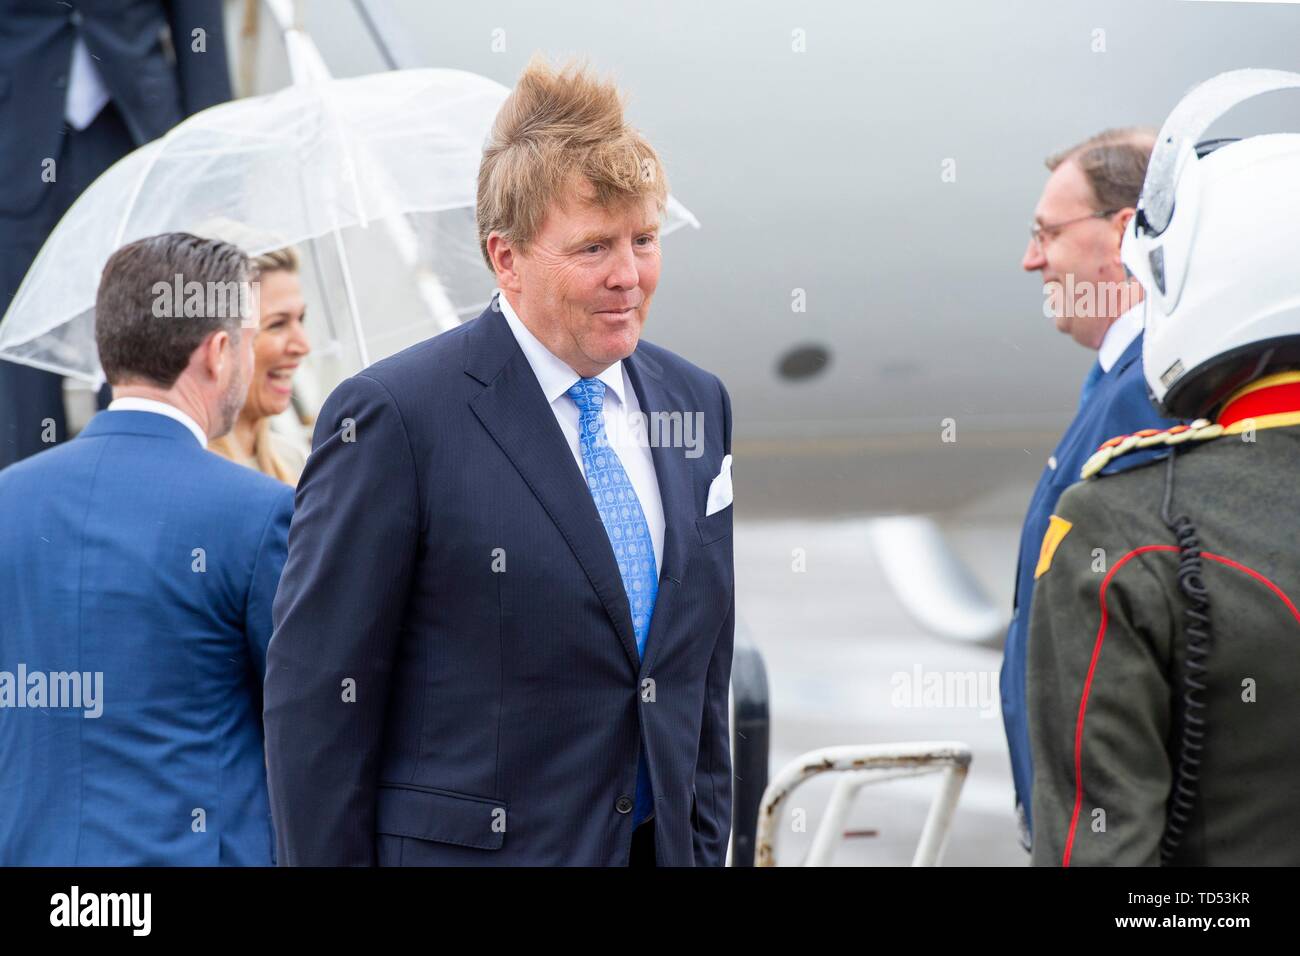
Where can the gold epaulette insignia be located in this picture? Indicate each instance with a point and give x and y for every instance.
(1200, 430)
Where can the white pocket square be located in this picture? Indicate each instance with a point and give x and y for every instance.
(720, 489)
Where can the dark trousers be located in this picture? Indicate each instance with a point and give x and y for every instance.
(31, 398)
(643, 845)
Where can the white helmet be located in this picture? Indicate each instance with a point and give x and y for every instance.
(1215, 243)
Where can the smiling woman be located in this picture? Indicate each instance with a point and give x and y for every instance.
(279, 347)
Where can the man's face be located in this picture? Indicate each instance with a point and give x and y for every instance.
(584, 284)
(1087, 250)
(241, 371)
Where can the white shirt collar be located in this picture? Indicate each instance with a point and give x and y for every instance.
(1119, 336)
(159, 408)
(553, 373)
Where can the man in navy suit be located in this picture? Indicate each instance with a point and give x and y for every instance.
(1075, 243)
(504, 631)
(81, 85)
(137, 573)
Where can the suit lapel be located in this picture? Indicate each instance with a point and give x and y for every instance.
(1126, 358)
(672, 471)
(515, 413)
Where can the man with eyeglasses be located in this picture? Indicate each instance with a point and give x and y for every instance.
(1075, 244)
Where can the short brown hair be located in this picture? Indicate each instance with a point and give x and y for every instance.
(553, 125)
(1114, 163)
(280, 258)
(135, 343)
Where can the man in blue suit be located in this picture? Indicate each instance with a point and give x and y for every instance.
(504, 631)
(137, 573)
(1078, 226)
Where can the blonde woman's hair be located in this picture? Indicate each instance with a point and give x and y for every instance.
(555, 124)
(277, 260)
(265, 459)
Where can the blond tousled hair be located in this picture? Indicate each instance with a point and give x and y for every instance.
(557, 124)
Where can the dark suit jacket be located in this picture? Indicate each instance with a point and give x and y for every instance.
(454, 677)
(1119, 405)
(98, 573)
(152, 93)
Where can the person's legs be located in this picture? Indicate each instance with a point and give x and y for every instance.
(31, 401)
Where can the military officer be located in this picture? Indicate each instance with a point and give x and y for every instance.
(1164, 651)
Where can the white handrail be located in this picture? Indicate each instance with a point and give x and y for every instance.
(860, 766)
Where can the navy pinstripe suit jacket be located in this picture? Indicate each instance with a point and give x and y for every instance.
(453, 677)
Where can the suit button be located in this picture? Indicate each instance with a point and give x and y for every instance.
(623, 804)
(75, 18)
(60, 82)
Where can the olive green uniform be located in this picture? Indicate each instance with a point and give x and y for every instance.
(1102, 687)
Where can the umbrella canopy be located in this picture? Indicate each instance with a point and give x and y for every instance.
(372, 178)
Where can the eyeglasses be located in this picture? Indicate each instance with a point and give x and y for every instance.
(1037, 232)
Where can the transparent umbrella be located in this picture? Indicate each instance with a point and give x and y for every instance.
(372, 179)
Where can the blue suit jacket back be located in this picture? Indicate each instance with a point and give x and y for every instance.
(1118, 405)
(100, 571)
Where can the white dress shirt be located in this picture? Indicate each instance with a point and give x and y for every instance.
(87, 94)
(159, 408)
(621, 410)
(1119, 336)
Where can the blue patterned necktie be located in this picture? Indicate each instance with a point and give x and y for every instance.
(628, 531)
